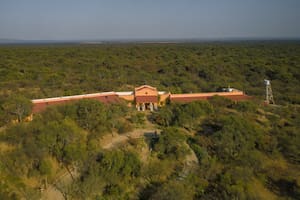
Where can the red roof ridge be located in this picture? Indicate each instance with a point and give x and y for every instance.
(74, 97)
(206, 94)
(144, 86)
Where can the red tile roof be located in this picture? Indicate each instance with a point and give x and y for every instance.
(184, 98)
(41, 104)
(146, 99)
(187, 99)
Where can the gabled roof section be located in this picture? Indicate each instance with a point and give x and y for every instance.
(145, 86)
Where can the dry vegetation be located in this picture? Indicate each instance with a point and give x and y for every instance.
(217, 149)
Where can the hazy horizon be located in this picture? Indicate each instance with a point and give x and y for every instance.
(144, 20)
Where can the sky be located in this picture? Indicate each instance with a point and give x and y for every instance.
(148, 19)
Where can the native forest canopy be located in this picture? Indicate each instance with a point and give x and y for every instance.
(215, 149)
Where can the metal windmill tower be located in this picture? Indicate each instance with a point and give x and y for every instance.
(269, 93)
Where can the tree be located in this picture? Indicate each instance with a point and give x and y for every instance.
(171, 144)
(91, 115)
(164, 116)
(17, 106)
(70, 141)
(124, 164)
(173, 190)
(235, 138)
(219, 101)
(245, 106)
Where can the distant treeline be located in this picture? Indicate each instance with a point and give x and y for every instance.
(38, 71)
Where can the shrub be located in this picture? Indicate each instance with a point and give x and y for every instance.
(124, 127)
(171, 144)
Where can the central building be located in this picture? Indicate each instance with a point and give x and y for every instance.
(146, 98)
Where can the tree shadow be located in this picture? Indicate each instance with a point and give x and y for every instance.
(151, 139)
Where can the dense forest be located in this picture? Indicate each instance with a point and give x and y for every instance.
(215, 149)
(47, 71)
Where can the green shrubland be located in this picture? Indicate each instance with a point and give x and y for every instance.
(215, 149)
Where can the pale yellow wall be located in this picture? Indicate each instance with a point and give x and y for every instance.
(146, 92)
(127, 97)
(164, 97)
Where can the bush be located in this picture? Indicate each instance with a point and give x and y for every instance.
(124, 127)
(234, 137)
(173, 190)
(245, 106)
(119, 163)
(171, 144)
(183, 115)
(45, 167)
(138, 118)
(219, 101)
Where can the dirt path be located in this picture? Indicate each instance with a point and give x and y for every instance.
(109, 141)
(2, 128)
(190, 164)
(54, 190)
(59, 186)
(52, 193)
